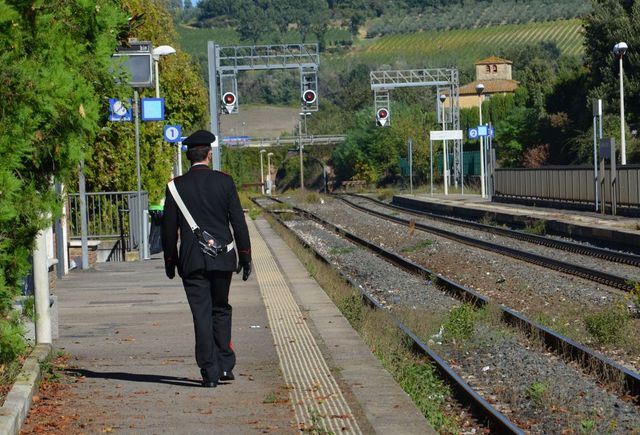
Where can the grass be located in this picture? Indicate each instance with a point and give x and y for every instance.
(537, 392)
(608, 326)
(412, 372)
(465, 46)
(536, 227)
(460, 323)
(418, 246)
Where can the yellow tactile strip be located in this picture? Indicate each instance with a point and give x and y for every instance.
(314, 393)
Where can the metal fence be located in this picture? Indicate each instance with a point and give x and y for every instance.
(109, 215)
(568, 184)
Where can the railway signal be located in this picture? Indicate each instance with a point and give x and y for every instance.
(382, 117)
(309, 96)
(229, 99)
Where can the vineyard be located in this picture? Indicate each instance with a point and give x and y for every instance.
(464, 46)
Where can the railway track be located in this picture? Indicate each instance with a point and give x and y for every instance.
(597, 365)
(578, 248)
(464, 393)
(619, 282)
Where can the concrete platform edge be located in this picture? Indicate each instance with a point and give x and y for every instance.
(18, 401)
(629, 239)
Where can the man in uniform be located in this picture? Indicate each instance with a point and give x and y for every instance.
(212, 200)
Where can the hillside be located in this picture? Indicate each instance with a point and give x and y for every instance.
(463, 47)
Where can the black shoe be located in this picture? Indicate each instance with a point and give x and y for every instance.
(227, 376)
(207, 381)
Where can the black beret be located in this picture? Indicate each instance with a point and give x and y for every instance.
(199, 138)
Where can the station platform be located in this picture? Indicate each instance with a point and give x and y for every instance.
(589, 226)
(300, 365)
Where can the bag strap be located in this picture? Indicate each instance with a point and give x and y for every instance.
(183, 208)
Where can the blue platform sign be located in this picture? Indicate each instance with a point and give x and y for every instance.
(491, 132)
(173, 133)
(473, 133)
(152, 109)
(119, 110)
(483, 131)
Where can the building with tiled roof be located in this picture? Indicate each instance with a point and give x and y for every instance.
(496, 76)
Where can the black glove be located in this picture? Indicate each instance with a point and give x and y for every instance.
(245, 266)
(170, 270)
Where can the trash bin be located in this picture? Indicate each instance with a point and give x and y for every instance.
(156, 213)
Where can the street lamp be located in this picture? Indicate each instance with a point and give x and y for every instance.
(269, 173)
(479, 91)
(619, 50)
(163, 50)
(445, 163)
(305, 114)
(262, 170)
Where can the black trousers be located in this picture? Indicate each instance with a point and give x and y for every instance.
(208, 296)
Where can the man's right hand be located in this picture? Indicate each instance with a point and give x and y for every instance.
(170, 270)
(245, 266)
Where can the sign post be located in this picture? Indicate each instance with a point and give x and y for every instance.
(442, 135)
(137, 61)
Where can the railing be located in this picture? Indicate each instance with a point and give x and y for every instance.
(250, 141)
(110, 215)
(569, 184)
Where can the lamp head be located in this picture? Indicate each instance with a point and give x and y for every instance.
(163, 50)
(269, 155)
(620, 48)
(479, 88)
(443, 97)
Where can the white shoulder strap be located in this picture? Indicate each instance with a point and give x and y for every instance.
(183, 208)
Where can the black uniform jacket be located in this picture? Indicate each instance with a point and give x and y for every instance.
(212, 199)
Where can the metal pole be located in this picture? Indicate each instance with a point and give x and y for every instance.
(269, 173)
(431, 164)
(595, 158)
(83, 218)
(411, 166)
(623, 153)
(212, 50)
(156, 62)
(179, 169)
(301, 165)
(261, 171)
(445, 167)
(60, 245)
(139, 180)
(41, 282)
(482, 186)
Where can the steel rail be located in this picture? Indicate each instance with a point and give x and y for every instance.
(464, 393)
(599, 366)
(605, 254)
(561, 266)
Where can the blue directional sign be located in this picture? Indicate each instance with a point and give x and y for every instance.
(173, 133)
(473, 133)
(491, 132)
(119, 110)
(152, 109)
(483, 130)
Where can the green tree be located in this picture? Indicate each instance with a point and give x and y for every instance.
(112, 164)
(56, 58)
(613, 21)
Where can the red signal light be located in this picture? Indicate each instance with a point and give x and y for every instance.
(229, 98)
(309, 96)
